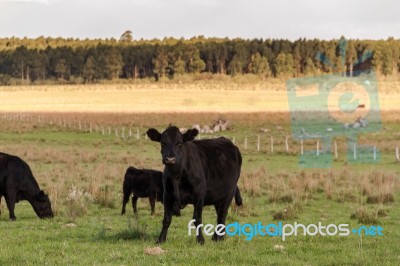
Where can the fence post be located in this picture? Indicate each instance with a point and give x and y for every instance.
(258, 143)
(354, 151)
(336, 154)
(301, 147)
(272, 144)
(317, 147)
(397, 153)
(287, 144)
(375, 152)
(245, 143)
(116, 132)
(137, 134)
(123, 133)
(130, 132)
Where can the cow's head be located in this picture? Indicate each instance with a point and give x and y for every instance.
(42, 206)
(172, 141)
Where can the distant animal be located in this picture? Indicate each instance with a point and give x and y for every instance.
(263, 130)
(206, 130)
(18, 183)
(224, 125)
(360, 122)
(196, 126)
(142, 183)
(216, 127)
(199, 172)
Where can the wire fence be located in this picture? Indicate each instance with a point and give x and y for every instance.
(271, 144)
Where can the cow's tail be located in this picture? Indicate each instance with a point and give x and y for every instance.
(238, 198)
(126, 193)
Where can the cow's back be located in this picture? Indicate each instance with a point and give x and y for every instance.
(3, 160)
(16, 173)
(220, 162)
(137, 181)
(3, 171)
(219, 154)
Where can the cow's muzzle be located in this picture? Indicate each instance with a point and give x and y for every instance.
(169, 160)
(47, 215)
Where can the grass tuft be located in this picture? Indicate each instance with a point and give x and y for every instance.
(364, 217)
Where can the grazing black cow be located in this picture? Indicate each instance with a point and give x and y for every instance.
(198, 172)
(18, 183)
(142, 183)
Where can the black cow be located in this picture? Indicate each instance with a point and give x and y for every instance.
(142, 183)
(18, 183)
(198, 172)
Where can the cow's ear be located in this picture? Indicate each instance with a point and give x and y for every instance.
(153, 134)
(190, 134)
(131, 170)
(135, 170)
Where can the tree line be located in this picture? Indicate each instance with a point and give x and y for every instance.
(30, 61)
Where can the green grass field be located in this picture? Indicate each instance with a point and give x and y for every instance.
(83, 173)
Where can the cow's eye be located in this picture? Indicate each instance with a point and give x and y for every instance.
(162, 143)
(180, 144)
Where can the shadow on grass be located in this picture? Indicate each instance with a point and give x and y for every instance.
(136, 230)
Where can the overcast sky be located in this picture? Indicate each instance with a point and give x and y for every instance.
(291, 19)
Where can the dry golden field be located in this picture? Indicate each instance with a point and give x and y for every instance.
(163, 97)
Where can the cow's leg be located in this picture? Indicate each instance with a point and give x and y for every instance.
(124, 202)
(176, 209)
(134, 203)
(222, 211)
(197, 216)
(168, 204)
(10, 200)
(152, 199)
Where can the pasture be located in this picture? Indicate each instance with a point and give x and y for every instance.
(83, 172)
